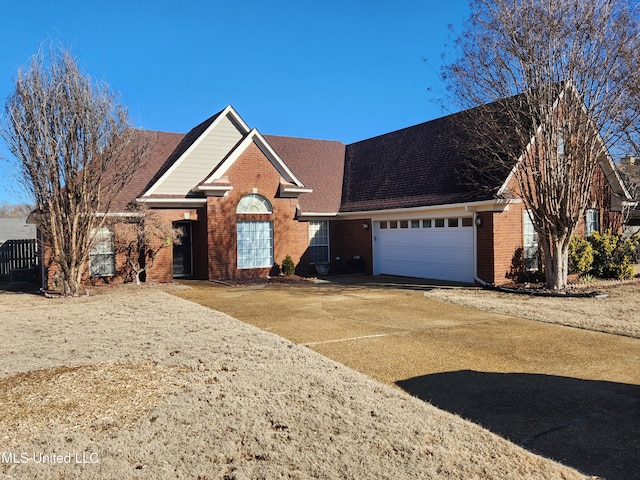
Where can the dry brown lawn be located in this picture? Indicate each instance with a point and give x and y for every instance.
(618, 312)
(136, 383)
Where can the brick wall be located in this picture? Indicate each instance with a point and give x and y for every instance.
(252, 173)
(348, 239)
(484, 246)
(499, 244)
(508, 240)
(501, 235)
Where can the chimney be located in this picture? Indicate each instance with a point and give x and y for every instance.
(628, 160)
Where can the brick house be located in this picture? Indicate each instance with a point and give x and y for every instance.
(394, 204)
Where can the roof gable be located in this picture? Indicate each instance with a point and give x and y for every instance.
(200, 151)
(254, 137)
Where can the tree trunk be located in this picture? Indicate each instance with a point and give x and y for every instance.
(556, 262)
(72, 280)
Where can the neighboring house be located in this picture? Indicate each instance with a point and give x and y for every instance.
(630, 168)
(16, 229)
(395, 204)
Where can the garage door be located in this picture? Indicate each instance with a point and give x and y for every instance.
(440, 248)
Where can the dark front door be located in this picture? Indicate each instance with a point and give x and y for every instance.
(182, 254)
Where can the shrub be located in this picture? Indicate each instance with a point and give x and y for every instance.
(288, 266)
(580, 256)
(613, 255)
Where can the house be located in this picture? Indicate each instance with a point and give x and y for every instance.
(630, 170)
(16, 228)
(395, 204)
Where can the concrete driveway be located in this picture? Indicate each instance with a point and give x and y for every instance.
(567, 394)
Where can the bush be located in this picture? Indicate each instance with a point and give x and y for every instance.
(288, 266)
(580, 256)
(613, 255)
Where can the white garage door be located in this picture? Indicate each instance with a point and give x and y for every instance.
(440, 249)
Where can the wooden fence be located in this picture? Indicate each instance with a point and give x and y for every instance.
(18, 255)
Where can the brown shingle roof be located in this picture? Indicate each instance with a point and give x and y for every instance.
(319, 165)
(185, 142)
(422, 165)
(161, 144)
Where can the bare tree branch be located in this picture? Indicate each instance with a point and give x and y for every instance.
(568, 72)
(76, 150)
(147, 236)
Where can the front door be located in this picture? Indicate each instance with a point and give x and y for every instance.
(182, 255)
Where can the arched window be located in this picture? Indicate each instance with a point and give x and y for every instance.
(254, 203)
(255, 237)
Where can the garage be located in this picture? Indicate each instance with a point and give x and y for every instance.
(437, 248)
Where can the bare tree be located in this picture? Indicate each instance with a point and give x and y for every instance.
(15, 210)
(569, 71)
(75, 149)
(148, 235)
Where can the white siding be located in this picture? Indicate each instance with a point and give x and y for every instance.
(201, 161)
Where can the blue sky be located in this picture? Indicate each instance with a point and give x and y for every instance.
(340, 70)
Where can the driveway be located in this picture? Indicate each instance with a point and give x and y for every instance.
(568, 394)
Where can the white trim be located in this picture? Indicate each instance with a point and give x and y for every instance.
(497, 205)
(215, 191)
(315, 215)
(227, 112)
(292, 192)
(173, 202)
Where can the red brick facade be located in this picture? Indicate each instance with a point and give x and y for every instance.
(252, 167)
(500, 236)
(351, 246)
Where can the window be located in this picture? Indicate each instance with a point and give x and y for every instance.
(426, 223)
(319, 241)
(452, 222)
(592, 222)
(415, 223)
(255, 244)
(254, 203)
(530, 241)
(404, 223)
(393, 224)
(439, 222)
(102, 254)
(383, 225)
(467, 222)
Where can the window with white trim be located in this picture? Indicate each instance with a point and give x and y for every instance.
(255, 244)
(530, 242)
(254, 203)
(319, 241)
(254, 237)
(592, 221)
(102, 261)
